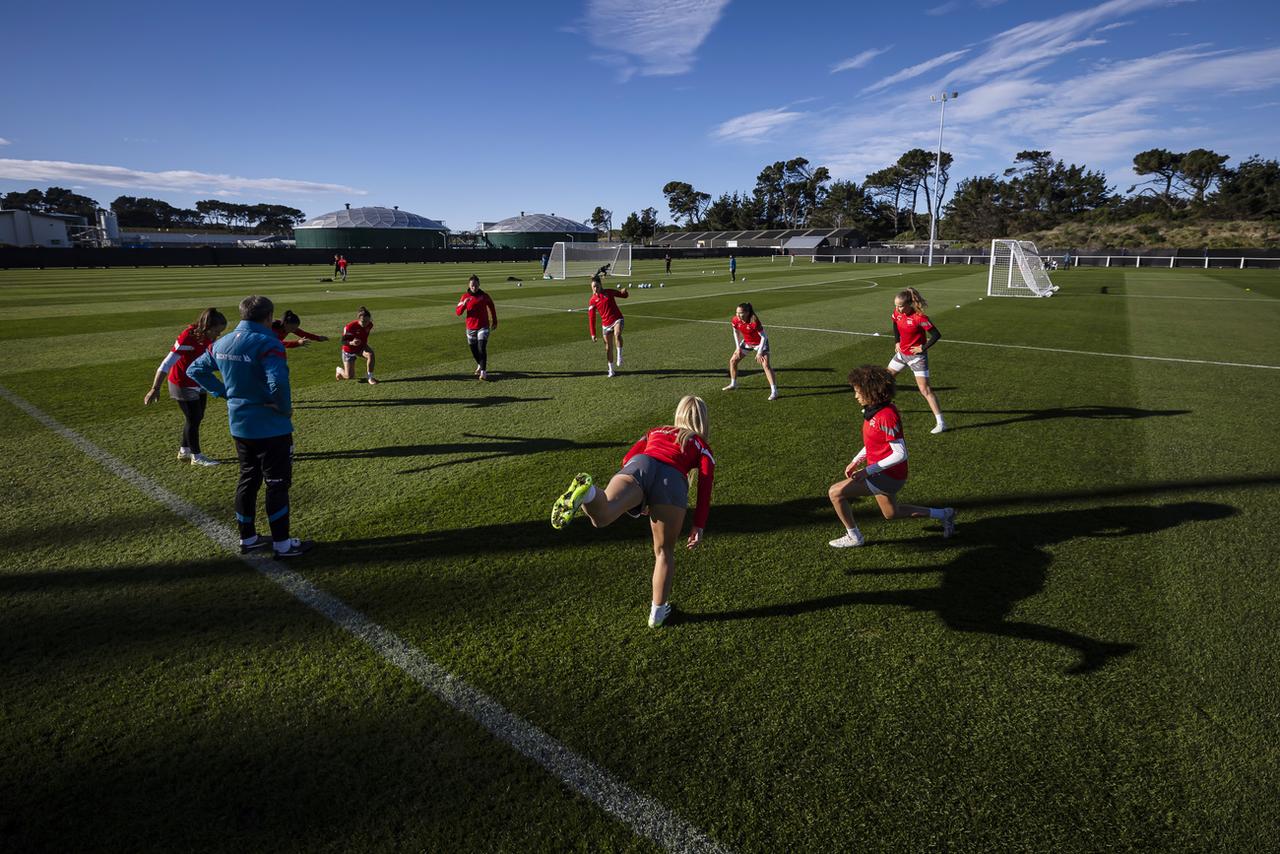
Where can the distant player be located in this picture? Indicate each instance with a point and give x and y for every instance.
(355, 344)
(191, 344)
(342, 267)
(604, 301)
(653, 481)
(884, 453)
(668, 260)
(335, 265)
(733, 269)
(749, 337)
(482, 318)
(910, 328)
(289, 325)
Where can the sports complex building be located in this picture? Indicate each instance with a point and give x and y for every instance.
(532, 231)
(372, 227)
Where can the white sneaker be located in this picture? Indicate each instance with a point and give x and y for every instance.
(184, 455)
(941, 428)
(773, 395)
(337, 373)
(202, 460)
(847, 541)
(610, 370)
(948, 523)
(730, 387)
(658, 617)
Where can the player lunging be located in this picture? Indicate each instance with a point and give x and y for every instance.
(749, 337)
(884, 453)
(653, 480)
(910, 326)
(355, 343)
(604, 301)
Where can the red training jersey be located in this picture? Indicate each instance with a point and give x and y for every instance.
(660, 443)
(342, 263)
(606, 304)
(189, 347)
(355, 337)
(884, 426)
(479, 308)
(911, 331)
(278, 328)
(750, 332)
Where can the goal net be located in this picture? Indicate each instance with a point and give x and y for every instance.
(1017, 270)
(573, 260)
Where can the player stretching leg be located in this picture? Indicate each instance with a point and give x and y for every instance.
(910, 324)
(653, 481)
(749, 335)
(885, 453)
(605, 302)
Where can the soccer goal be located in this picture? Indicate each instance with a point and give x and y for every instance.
(1017, 270)
(573, 260)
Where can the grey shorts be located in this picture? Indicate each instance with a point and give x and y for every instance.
(478, 334)
(178, 392)
(762, 348)
(918, 363)
(660, 483)
(881, 484)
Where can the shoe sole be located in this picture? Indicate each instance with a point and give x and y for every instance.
(257, 547)
(564, 507)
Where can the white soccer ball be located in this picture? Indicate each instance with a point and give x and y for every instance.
(519, 284)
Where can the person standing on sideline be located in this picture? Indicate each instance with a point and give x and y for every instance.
(749, 336)
(604, 301)
(668, 260)
(910, 324)
(482, 317)
(255, 382)
(545, 261)
(355, 343)
(191, 344)
(733, 269)
(342, 267)
(335, 265)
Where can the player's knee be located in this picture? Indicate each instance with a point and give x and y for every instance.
(836, 492)
(889, 512)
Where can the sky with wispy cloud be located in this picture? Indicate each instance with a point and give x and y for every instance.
(467, 114)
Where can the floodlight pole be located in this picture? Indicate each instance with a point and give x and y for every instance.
(937, 169)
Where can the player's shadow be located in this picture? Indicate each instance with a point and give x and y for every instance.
(1004, 562)
(487, 448)
(788, 389)
(1085, 412)
(468, 402)
(544, 375)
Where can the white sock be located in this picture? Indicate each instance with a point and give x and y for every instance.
(184, 451)
(619, 360)
(653, 611)
(854, 532)
(937, 513)
(773, 388)
(591, 494)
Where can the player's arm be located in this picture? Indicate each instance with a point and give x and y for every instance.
(277, 370)
(764, 344)
(493, 312)
(310, 336)
(934, 336)
(462, 305)
(203, 372)
(897, 453)
(737, 339)
(622, 294)
(706, 479)
(855, 463)
(591, 321)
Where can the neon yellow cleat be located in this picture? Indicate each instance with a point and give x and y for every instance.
(566, 505)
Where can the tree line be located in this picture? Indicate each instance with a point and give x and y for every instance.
(1036, 192)
(142, 212)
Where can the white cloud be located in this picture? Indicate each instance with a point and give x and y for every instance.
(119, 176)
(4, 141)
(753, 127)
(944, 9)
(860, 59)
(660, 37)
(917, 70)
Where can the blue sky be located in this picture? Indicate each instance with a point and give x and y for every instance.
(467, 113)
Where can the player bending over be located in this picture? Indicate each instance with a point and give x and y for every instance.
(604, 301)
(191, 399)
(289, 325)
(653, 481)
(910, 324)
(749, 336)
(355, 343)
(884, 453)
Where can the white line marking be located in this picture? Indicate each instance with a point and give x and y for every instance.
(644, 815)
(985, 344)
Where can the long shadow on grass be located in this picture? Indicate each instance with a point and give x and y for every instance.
(469, 402)
(1087, 412)
(1004, 562)
(489, 448)
(833, 388)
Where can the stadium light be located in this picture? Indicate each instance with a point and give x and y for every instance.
(937, 169)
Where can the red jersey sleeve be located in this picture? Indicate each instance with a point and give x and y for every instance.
(706, 478)
(302, 333)
(463, 304)
(635, 449)
(591, 317)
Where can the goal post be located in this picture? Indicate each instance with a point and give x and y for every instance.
(576, 260)
(1017, 270)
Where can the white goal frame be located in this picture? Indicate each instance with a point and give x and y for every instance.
(1017, 270)
(569, 260)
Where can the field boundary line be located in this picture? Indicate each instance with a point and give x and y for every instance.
(988, 344)
(644, 815)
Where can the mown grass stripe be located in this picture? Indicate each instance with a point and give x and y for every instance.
(644, 815)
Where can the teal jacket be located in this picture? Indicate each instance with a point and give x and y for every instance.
(255, 380)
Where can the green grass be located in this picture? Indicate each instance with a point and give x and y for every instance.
(1092, 663)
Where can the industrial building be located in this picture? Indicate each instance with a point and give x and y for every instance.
(371, 227)
(531, 231)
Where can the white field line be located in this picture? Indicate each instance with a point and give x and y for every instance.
(644, 815)
(987, 344)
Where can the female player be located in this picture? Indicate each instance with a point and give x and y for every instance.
(191, 344)
(605, 302)
(288, 325)
(910, 324)
(884, 452)
(479, 308)
(749, 336)
(355, 343)
(653, 480)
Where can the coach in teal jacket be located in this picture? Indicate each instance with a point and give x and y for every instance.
(255, 382)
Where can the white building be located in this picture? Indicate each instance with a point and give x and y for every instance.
(21, 228)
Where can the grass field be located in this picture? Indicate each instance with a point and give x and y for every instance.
(1092, 663)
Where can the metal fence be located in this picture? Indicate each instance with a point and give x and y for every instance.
(1159, 262)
